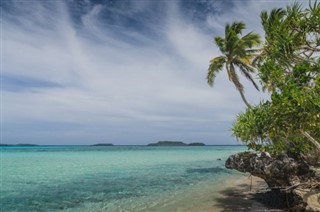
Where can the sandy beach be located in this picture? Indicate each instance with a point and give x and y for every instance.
(237, 196)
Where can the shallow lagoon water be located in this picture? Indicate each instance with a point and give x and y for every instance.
(115, 178)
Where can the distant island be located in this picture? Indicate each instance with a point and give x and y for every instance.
(19, 145)
(103, 144)
(196, 144)
(175, 143)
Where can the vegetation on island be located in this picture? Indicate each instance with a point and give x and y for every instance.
(102, 144)
(19, 145)
(287, 65)
(168, 143)
(175, 143)
(196, 144)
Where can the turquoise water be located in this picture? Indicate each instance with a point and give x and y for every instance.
(117, 178)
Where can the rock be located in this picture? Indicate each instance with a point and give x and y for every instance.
(277, 172)
(313, 202)
(316, 172)
(265, 155)
(307, 199)
(283, 173)
(298, 196)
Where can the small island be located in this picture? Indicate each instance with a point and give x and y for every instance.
(19, 145)
(196, 144)
(168, 143)
(175, 143)
(102, 144)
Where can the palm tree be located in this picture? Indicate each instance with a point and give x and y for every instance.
(237, 52)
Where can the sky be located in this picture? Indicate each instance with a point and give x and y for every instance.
(119, 71)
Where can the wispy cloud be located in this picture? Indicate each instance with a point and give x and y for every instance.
(129, 72)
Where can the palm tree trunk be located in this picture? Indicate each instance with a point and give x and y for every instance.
(234, 78)
(244, 99)
(311, 139)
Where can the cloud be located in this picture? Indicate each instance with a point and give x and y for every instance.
(78, 72)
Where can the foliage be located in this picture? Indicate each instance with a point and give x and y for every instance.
(292, 36)
(288, 66)
(276, 125)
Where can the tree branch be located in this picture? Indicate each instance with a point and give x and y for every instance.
(310, 138)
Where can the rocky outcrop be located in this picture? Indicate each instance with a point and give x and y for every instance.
(295, 176)
(308, 198)
(281, 171)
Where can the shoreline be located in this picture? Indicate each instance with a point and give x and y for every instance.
(236, 196)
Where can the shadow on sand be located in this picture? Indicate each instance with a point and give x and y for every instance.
(240, 198)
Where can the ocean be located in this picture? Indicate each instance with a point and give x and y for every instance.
(114, 178)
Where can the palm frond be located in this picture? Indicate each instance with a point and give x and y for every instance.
(237, 27)
(216, 65)
(220, 42)
(251, 39)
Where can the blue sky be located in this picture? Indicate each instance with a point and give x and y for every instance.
(119, 71)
